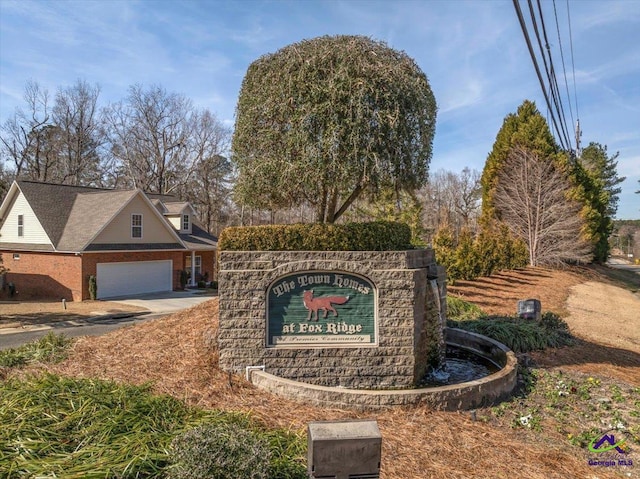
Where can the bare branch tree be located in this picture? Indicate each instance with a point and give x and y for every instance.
(532, 200)
(27, 138)
(75, 113)
(149, 135)
(206, 181)
(452, 199)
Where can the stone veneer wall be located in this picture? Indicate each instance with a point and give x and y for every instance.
(409, 327)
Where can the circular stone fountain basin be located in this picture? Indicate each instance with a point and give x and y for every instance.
(466, 395)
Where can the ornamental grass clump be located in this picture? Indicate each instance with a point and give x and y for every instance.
(220, 451)
(51, 348)
(520, 335)
(460, 310)
(54, 426)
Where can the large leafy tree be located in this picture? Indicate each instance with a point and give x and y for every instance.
(325, 120)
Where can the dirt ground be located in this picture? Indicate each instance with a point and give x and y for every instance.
(179, 354)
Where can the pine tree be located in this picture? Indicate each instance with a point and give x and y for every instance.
(600, 180)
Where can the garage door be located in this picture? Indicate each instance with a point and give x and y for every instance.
(138, 277)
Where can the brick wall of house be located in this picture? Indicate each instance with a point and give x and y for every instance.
(44, 275)
(90, 260)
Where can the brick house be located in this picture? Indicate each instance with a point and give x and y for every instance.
(54, 237)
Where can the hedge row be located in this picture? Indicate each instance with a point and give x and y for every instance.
(373, 236)
(469, 256)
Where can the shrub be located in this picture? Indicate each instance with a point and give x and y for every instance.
(93, 287)
(467, 258)
(373, 236)
(460, 310)
(220, 451)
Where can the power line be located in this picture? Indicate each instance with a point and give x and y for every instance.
(575, 93)
(553, 81)
(564, 69)
(551, 93)
(523, 26)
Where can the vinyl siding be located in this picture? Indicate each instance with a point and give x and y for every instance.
(119, 229)
(33, 231)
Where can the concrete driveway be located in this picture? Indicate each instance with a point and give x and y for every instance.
(168, 302)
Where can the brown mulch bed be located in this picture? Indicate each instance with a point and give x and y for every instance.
(178, 355)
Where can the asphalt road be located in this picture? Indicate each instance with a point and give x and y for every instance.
(88, 327)
(621, 264)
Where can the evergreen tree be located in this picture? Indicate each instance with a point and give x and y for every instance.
(526, 128)
(597, 173)
(528, 132)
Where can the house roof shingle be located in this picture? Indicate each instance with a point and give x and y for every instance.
(89, 214)
(41, 196)
(198, 239)
(79, 214)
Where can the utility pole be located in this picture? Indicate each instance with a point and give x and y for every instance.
(578, 135)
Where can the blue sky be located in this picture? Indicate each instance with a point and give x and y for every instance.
(473, 53)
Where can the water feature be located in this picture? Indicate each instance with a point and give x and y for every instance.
(460, 365)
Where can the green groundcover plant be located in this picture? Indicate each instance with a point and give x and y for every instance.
(519, 335)
(87, 428)
(51, 348)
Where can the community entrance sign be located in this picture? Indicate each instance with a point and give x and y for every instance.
(321, 308)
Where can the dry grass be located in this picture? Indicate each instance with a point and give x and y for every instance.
(178, 354)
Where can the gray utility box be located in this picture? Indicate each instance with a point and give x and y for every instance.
(530, 309)
(344, 449)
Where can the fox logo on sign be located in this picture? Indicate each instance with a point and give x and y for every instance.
(324, 303)
(315, 308)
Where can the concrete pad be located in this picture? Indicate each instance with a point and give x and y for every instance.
(168, 302)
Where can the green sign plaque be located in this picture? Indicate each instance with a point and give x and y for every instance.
(321, 308)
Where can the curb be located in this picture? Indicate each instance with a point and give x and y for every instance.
(69, 323)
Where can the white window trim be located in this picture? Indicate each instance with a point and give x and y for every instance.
(137, 226)
(20, 226)
(186, 225)
(198, 265)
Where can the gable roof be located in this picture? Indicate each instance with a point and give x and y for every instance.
(198, 239)
(41, 198)
(72, 216)
(86, 219)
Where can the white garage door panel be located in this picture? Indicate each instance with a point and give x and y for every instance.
(138, 277)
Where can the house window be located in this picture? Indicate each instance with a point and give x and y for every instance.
(185, 222)
(198, 266)
(20, 225)
(16, 256)
(136, 225)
